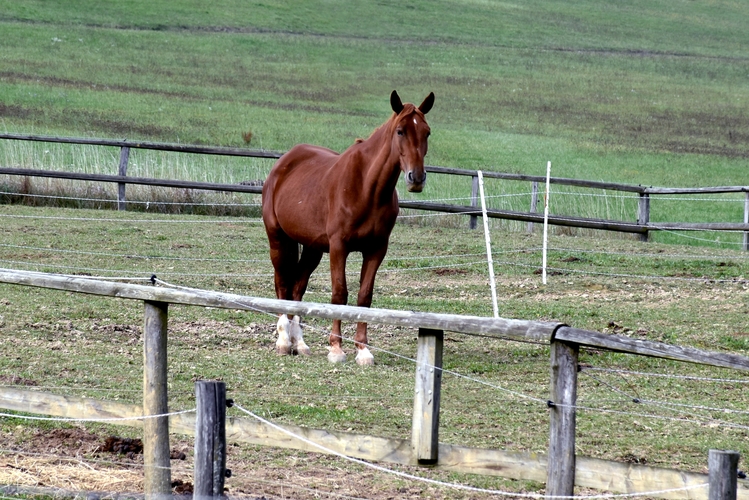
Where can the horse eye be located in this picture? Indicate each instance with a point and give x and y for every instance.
(400, 131)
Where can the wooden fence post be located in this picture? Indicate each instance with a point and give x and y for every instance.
(210, 439)
(158, 482)
(746, 220)
(723, 474)
(122, 171)
(534, 203)
(561, 461)
(643, 214)
(474, 200)
(426, 416)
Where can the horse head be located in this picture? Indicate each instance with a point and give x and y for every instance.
(410, 134)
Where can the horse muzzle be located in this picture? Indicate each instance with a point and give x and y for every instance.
(414, 182)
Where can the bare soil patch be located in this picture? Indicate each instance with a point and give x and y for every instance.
(75, 460)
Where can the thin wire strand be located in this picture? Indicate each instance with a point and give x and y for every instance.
(452, 485)
(117, 419)
(666, 375)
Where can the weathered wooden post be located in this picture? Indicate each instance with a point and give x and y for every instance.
(723, 474)
(210, 439)
(561, 467)
(474, 200)
(643, 214)
(122, 171)
(158, 481)
(426, 416)
(534, 203)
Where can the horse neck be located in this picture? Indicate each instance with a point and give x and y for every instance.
(383, 168)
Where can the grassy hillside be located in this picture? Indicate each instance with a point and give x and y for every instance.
(634, 92)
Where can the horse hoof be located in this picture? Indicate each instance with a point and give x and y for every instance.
(336, 356)
(302, 349)
(364, 357)
(283, 349)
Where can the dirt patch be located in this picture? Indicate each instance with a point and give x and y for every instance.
(16, 380)
(74, 460)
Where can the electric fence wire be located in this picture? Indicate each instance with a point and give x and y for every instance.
(661, 197)
(544, 402)
(354, 258)
(667, 375)
(97, 419)
(652, 226)
(416, 478)
(385, 270)
(130, 202)
(457, 486)
(639, 255)
(675, 407)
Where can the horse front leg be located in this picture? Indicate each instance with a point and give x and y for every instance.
(369, 269)
(338, 255)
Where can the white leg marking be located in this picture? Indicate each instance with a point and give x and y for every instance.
(297, 341)
(364, 357)
(283, 343)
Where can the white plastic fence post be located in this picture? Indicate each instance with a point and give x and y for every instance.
(488, 244)
(546, 222)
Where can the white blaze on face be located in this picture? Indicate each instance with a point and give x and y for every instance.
(415, 122)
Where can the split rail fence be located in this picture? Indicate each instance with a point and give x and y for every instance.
(641, 227)
(561, 469)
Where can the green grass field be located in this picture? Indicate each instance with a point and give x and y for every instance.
(88, 346)
(632, 92)
(637, 93)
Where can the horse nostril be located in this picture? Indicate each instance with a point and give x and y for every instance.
(410, 176)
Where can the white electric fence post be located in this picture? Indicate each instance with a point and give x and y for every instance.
(546, 222)
(488, 244)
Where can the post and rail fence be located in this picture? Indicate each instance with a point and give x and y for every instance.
(561, 468)
(641, 227)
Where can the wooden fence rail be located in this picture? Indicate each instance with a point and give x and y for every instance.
(642, 226)
(561, 469)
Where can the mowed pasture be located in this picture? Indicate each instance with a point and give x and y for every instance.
(89, 346)
(638, 92)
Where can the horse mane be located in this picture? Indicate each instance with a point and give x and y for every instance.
(387, 127)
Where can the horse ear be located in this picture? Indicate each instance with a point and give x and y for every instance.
(395, 102)
(425, 106)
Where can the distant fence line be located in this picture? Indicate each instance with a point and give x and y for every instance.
(641, 227)
(561, 468)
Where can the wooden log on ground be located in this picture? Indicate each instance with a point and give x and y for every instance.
(595, 473)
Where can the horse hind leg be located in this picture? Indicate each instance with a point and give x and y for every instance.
(290, 334)
(290, 339)
(283, 253)
(298, 346)
(283, 342)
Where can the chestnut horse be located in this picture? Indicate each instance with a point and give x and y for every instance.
(340, 203)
